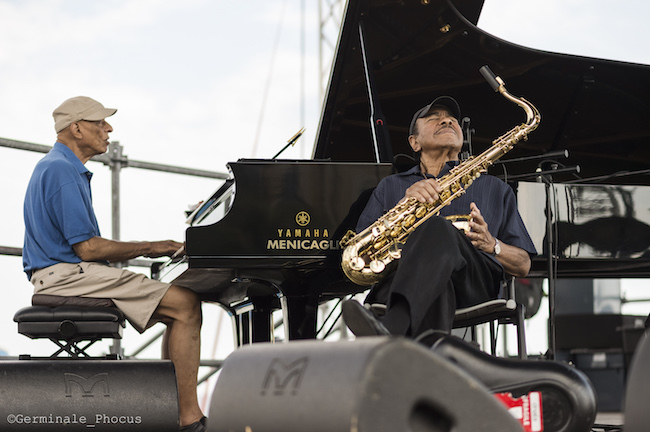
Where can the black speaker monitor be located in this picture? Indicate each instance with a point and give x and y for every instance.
(370, 384)
(98, 395)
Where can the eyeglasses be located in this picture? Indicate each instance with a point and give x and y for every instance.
(100, 123)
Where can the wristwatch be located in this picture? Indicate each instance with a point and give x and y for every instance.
(497, 247)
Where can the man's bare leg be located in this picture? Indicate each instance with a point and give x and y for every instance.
(180, 310)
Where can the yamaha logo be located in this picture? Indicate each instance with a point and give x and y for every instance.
(300, 236)
(303, 218)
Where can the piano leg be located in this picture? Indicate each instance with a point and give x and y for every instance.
(299, 315)
(253, 322)
(253, 317)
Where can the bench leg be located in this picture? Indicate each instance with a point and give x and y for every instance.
(72, 348)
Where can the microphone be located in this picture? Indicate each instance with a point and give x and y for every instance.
(467, 138)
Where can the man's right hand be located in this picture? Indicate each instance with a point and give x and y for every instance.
(101, 249)
(163, 248)
(424, 190)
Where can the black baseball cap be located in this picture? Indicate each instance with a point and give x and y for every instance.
(446, 101)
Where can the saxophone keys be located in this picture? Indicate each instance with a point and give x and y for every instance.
(395, 252)
(420, 211)
(395, 232)
(347, 237)
(357, 263)
(379, 243)
(408, 221)
(388, 219)
(377, 266)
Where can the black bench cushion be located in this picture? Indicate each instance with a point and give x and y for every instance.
(67, 322)
(72, 313)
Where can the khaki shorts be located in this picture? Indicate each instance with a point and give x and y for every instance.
(134, 294)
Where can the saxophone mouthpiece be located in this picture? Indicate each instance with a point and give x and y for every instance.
(491, 78)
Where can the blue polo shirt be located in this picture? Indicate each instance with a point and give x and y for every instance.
(58, 210)
(494, 198)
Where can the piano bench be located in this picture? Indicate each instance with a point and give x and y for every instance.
(70, 321)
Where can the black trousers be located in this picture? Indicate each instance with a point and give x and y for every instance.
(440, 270)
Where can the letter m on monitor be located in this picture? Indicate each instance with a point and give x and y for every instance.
(284, 377)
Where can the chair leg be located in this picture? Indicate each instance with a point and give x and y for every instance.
(521, 333)
(493, 338)
(473, 331)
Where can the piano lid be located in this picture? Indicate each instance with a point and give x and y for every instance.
(416, 50)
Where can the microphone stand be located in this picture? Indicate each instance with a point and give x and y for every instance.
(540, 173)
(553, 154)
(546, 176)
(551, 255)
(550, 269)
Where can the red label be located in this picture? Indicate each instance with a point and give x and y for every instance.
(527, 409)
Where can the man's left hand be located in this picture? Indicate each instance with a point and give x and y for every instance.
(479, 234)
(515, 261)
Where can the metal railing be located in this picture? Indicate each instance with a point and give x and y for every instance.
(115, 159)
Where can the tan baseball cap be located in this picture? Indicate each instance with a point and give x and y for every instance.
(79, 108)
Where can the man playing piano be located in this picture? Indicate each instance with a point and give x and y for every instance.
(441, 267)
(65, 255)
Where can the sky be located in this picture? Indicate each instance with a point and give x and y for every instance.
(199, 83)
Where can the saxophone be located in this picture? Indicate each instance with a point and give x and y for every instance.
(370, 255)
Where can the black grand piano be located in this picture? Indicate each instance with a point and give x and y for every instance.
(268, 238)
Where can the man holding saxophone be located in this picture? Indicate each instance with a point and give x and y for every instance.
(441, 267)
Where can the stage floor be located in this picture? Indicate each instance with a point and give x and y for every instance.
(609, 419)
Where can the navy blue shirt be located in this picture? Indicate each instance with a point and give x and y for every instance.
(494, 198)
(58, 210)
